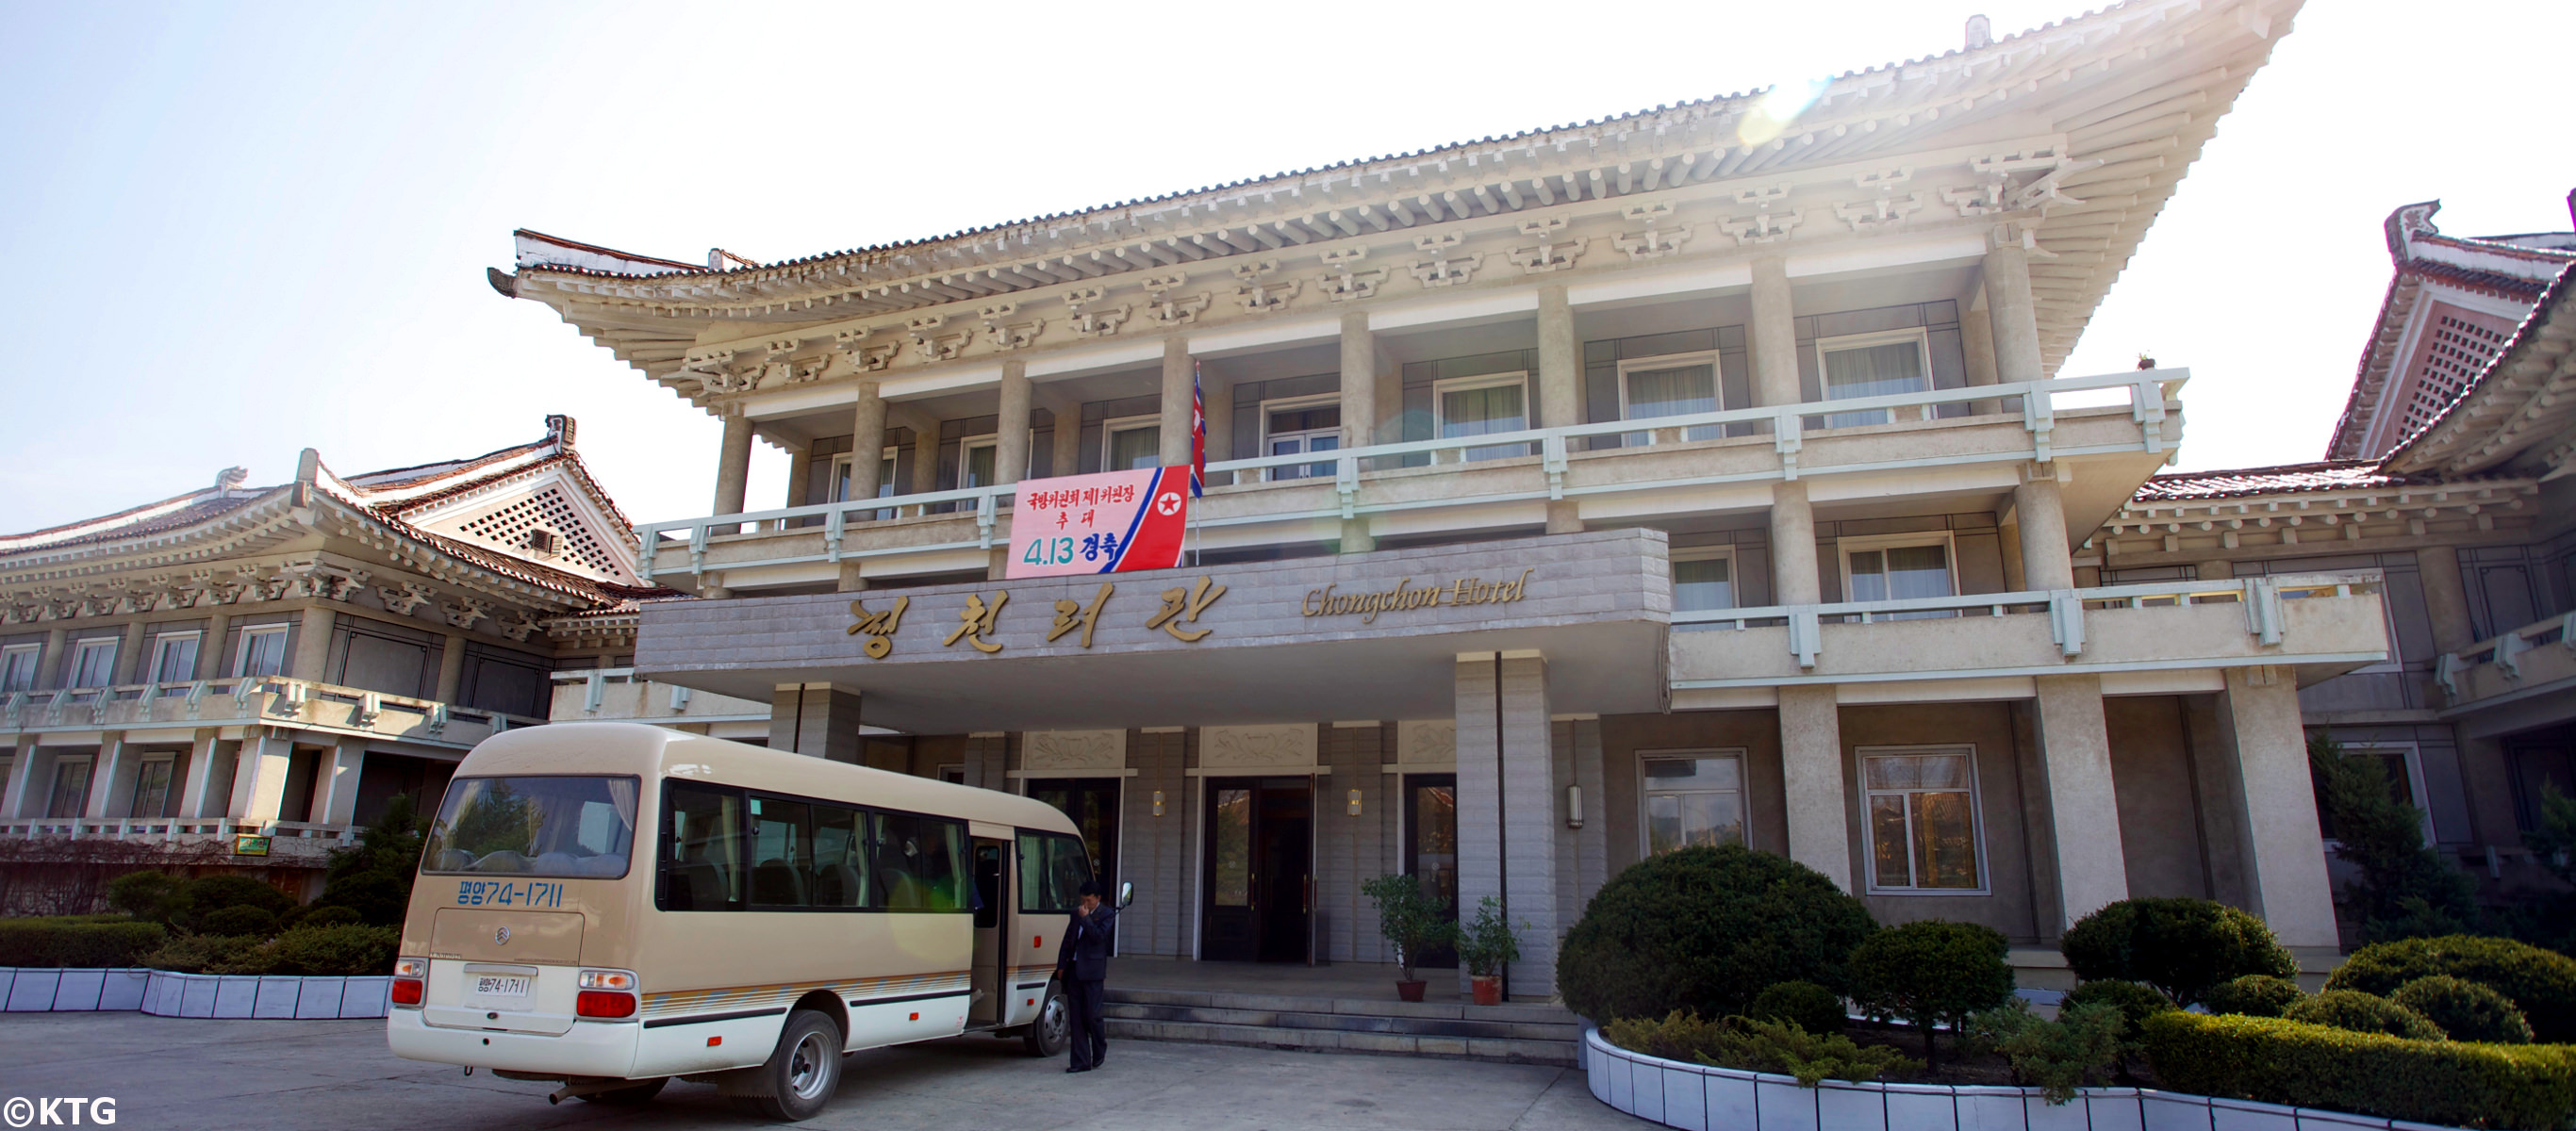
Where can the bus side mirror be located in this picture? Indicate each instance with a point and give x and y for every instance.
(1126, 894)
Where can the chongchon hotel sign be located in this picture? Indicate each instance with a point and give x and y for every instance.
(1405, 596)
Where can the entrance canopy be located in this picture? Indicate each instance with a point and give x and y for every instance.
(1361, 636)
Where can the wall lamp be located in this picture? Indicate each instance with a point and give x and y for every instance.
(1574, 806)
(1355, 803)
(1158, 803)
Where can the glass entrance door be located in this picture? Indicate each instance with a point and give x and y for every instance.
(1259, 882)
(1431, 852)
(1093, 805)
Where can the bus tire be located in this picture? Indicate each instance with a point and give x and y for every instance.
(803, 1072)
(1052, 1032)
(640, 1093)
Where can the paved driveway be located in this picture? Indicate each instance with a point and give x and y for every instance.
(172, 1073)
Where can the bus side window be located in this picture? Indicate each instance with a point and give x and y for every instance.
(782, 851)
(701, 868)
(840, 875)
(921, 861)
(1052, 869)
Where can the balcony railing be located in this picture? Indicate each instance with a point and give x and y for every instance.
(297, 839)
(2538, 658)
(2117, 627)
(615, 693)
(276, 700)
(1545, 463)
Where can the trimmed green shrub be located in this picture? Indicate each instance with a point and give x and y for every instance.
(2465, 1010)
(2136, 1001)
(1929, 972)
(1704, 929)
(2254, 995)
(347, 948)
(328, 917)
(2057, 1056)
(1680, 1035)
(238, 919)
(2179, 946)
(2406, 888)
(206, 895)
(373, 877)
(77, 940)
(1809, 1006)
(2359, 1012)
(146, 895)
(2541, 983)
(2455, 1083)
(203, 954)
(1781, 1046)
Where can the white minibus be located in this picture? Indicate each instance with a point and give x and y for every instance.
(610, 905)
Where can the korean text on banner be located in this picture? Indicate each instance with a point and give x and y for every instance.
(1112, 522)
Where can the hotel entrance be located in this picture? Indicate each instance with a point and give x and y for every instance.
(1093, 805)
(1259, 887)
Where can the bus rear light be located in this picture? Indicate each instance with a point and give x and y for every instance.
(608, 980)
(411, 967)
(406, 991)
(605, 1003)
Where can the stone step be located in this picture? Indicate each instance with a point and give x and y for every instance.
(1452, 1027)
(1521, 1013)
(1504, 1049)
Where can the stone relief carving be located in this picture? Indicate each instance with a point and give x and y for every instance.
(1427, 742)
(1276, 746)
(1073, 750)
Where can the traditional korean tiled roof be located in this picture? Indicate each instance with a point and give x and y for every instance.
(2330, 475)
(2518, 415)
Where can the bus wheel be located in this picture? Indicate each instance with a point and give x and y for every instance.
(640, 1093)
(1052, 1032)
(802, 1075)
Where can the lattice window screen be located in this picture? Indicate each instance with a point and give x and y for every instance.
(2460, 350)
(548, 510)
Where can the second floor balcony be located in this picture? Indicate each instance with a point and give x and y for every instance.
(2535, 660)
(249, 701)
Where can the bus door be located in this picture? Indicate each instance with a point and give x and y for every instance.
(990, 925)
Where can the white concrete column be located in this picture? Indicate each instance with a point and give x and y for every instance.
(2083, 813)
(867, 440)
(733, 466)
(1011, 434)
(1508, 807)
(1066, 459)
(50, 664)
(336, 802)
(312, 658)
(132, 666)
(211, 654)
(2014, 316)
(451, 668)
(2285, 853)
(2047, 563)
(201, 773)
(260, 787)
(1794, 576)
(2446, 597)
(1977, 341)
(1811, 763)
(1359, 412)
(1775, 334)
(1560, 361)
(925, 454)
(1176, 401)
(112, 762)
(22, 772)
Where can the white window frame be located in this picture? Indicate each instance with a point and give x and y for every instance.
(80, 648)
(1734, 576)
(1441, 389)
(1921, 337)
(1716, 384)
(161, 642)
(143, 765)
(967, 445)
(1976, 819)
(35, 654)
(1845, 547)
(1291, 404)
(89, 784)
(241, 649)
(1111, 427)
(1743, 789)
(2414, 760)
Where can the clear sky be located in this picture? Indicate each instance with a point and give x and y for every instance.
(233, 231)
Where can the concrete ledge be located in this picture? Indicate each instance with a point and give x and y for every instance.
(1702, 1098)
(162, 993)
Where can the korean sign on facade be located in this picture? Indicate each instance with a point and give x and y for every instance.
(1107, 523)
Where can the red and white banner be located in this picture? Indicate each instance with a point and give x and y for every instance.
(1112, 522)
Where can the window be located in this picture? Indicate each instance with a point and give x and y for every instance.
(263, 651)
(1131, 442)
(1872, 365)
(953, 773)
(93, 663)
(2403, 769)
(1052, 870)
(1311, 424)
(71, 788)
(1482, 406)
(885, 478)
(1703, 578)
(1922, 820)
(174, 657)
(921, 863)
(1692, 800)
(701, 849)
(1673, 385)
(1898, 568)
(152, 788)
(782, 846)
(568, 826)
(18, 667)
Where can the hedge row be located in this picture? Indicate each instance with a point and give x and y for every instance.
(2455, 1083)
(77, 940)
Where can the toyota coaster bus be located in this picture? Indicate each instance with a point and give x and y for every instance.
(610, 905)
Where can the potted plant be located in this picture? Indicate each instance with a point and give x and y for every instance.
(1410, 921)
(1486, 946)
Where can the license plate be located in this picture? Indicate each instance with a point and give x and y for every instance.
(510, 987)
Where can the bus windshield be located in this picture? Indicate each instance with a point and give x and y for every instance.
(573, 827)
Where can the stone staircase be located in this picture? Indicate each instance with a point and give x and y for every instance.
(1518, 1034)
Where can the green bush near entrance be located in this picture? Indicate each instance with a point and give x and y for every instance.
(2465, 1010)
(77, 940)
(2359, 1012)
(2455, 1083)
(2542, 983)
(2254, 995)
(1931, 972)
(2180, 946)
(1805, 1004)
(1704, 930)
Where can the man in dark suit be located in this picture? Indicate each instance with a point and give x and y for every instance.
(1082, 965)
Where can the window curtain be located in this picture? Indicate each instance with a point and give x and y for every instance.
(1872, 371)
(1483, 412)
(1679, 391)
(1131, 448)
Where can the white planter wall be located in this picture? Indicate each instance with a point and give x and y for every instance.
(165, 994)
(1701, 1098)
